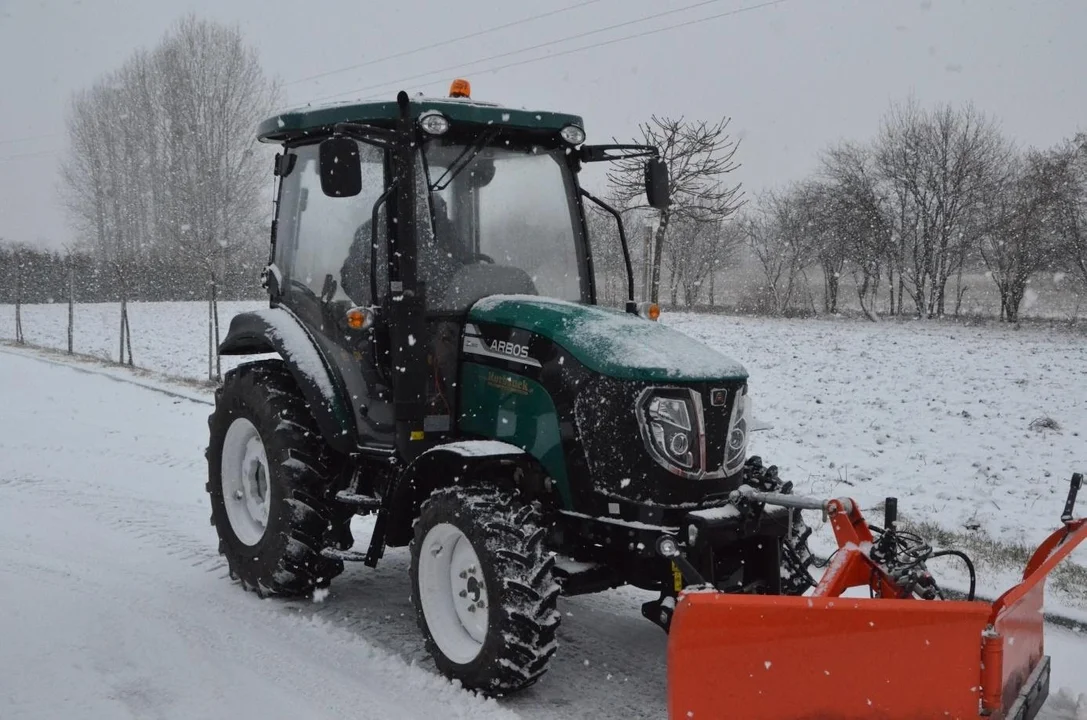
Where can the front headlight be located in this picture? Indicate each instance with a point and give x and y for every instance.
(671, 424)
(736, 446)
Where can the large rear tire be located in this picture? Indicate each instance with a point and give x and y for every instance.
(269, 479)
(482, 588)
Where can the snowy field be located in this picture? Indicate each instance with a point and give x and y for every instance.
(116, 603)
(938, 414)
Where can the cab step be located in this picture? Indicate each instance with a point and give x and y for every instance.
(359, 502)
(344, 555)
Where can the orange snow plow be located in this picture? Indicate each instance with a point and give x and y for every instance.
(900, 649)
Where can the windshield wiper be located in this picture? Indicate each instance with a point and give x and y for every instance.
(463, 160)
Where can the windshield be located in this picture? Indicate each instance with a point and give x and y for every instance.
(505, 221)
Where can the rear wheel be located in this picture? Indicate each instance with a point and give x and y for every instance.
(269, 474)
(482, 588)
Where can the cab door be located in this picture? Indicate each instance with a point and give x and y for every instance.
(323, 251)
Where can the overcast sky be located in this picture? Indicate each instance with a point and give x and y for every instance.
(794, 76)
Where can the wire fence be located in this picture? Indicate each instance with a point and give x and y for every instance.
(174, 338)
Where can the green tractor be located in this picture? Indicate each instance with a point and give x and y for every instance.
(442, 363)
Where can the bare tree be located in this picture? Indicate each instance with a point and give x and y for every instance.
(699, 156)
(860, 219)
(941, 165)
(694, 253)
(1069, 212)
(777, 233)
(820, 232)
(218, 87)
(162, 177)
(1017, 240)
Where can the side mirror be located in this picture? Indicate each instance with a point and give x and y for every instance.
(480, 173)
(657, 191)
(341, 168)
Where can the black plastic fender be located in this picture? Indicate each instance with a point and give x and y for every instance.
(276, 330)
(442, 466)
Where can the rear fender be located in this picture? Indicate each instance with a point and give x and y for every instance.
(276, 330)
(452, 464)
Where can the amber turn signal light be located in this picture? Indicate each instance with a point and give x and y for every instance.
(649, 310)
(358, 318)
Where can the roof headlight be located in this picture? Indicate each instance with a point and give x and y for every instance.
(434, 123)
(573, 134)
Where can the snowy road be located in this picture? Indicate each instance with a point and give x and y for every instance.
(114, 602)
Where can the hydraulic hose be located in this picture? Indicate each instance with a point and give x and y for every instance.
(969, 567)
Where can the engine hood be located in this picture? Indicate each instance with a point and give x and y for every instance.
(611, 342)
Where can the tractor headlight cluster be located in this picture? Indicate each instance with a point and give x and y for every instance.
(573, 134)
(738, 428)
(434, 123)
(671, 425)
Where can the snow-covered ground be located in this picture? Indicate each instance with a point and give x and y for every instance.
(112, 593)
(114, 602)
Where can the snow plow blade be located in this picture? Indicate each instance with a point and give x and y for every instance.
(889, 656)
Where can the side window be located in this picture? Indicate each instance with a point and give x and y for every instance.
(323, 243)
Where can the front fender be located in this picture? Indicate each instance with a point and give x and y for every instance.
(275, 330)
(440, 466)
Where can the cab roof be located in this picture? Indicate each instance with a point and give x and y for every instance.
(319, 119)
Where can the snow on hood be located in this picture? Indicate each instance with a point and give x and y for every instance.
(611, 342)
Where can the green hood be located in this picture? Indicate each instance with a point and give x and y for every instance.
(611, 342)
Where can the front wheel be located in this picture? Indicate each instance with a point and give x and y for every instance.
(482, 588)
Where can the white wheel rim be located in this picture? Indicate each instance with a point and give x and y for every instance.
(246, 491)
(453, 593)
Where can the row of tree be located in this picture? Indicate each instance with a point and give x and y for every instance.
(34, 275)
(938, 193)
(163, 177)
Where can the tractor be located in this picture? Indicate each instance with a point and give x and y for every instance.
(434, 354)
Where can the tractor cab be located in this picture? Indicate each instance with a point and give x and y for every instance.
(394, 219)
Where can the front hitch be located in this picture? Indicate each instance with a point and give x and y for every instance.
(685, 577)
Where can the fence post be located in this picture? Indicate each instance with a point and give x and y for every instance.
(18, 300)
(215, 312)
(71, 303)
(210, 374)
(128, 335)
(121, 349)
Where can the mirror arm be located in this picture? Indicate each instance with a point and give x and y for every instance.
(632, 306)
(368, 134)
(602, 153)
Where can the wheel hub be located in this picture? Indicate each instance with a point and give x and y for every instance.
(475, 589)
(453, 593)
(246, 490)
